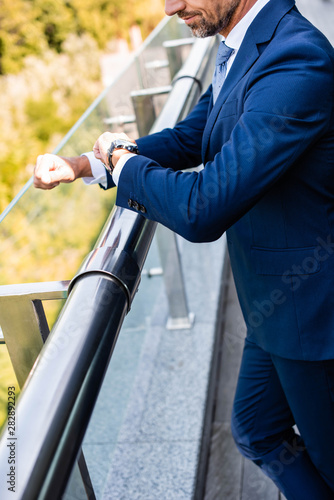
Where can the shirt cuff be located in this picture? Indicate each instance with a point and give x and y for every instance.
(119, 166)
(99, 175)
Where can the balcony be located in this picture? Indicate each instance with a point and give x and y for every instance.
(129, 395)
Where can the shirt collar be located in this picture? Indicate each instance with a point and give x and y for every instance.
(235, 37)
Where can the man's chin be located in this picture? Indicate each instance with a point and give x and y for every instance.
(198, 31)
(203, 30)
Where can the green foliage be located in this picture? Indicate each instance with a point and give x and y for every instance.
(42, 116)
(20, 34)
(29, 27)
(39, 105)
(49, 62)
(57, 20)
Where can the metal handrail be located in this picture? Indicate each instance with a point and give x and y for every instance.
(58, 399)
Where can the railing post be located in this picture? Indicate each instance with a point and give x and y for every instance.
(174, 53)
(143, 104)
(23, 321)
(179, 315)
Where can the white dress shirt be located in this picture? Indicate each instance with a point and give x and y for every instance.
(234, 40)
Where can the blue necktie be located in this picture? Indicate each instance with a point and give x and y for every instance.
(223, 55)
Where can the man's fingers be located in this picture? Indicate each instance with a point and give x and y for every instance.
(102, 144)
(51, 170)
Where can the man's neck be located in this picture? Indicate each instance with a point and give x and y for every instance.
(242, 9)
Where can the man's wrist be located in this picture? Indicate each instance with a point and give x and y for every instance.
(117, 155)
(80, 165)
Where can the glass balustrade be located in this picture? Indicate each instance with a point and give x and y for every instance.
(45, 235)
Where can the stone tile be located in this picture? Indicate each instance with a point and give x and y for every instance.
(230, 476)
(151, 471)
(170, 390)
(117, 388)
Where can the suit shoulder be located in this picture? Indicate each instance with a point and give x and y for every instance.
(296, 67)
(300, 32)
(298, 44)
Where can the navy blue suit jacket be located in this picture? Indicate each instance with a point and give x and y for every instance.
(268, 150)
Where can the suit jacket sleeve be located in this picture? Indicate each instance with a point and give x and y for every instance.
(286, 107)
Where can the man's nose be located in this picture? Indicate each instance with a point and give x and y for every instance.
(174, 6)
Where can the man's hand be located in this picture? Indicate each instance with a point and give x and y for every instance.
(51, 170)
(102, 145)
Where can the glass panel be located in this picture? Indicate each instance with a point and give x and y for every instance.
(48, 233)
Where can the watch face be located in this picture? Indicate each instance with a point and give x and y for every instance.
(120, 144)
(124, 144)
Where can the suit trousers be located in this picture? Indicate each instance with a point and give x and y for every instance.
(283, 420)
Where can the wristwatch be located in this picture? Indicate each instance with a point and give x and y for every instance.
(120, 144)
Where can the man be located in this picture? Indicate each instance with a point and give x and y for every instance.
(266, 138)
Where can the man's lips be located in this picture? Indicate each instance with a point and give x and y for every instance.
(188, 18)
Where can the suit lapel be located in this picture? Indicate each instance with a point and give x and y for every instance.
(260, 31)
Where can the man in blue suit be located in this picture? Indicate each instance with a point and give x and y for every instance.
(267, 144)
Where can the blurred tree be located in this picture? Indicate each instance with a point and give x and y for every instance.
(57, 20)
(146, 14)
(30, 26)
(40, 104)
(20, 34)
(43, 117)
(49, 62)
(103, 19)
